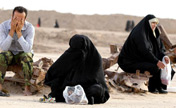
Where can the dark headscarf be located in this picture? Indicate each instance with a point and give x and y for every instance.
(141, 45)
(80, 64)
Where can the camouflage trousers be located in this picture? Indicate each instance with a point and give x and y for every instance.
(24, 59)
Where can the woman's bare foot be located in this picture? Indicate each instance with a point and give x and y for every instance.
(27, 91)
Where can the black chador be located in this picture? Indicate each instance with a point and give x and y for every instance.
(142, 50)
(80, 64)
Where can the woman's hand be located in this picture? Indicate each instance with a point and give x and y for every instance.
(160, 65)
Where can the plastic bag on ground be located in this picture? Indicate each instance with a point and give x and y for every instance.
(75, 95)
(166, 72)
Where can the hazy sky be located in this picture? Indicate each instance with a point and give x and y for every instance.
(160, 8)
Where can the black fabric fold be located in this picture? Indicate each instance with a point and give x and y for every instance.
(141, 45)
(79, 64)
(142, 51)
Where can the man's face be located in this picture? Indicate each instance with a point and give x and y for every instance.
(19, 16)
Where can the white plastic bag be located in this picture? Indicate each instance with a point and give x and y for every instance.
(166, 72)
(75, 95)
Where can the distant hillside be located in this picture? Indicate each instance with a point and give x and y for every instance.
(114, 22)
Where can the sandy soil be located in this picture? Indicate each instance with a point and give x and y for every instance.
(117, 99)
(52, 43)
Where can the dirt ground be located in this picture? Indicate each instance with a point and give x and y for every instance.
(51, 43)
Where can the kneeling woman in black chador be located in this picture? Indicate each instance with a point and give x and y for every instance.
(80, 64)
(143, 50)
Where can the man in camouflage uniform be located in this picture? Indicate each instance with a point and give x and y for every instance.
(16, 41)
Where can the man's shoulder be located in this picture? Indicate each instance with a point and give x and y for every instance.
(29, 25)
(5, 23)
